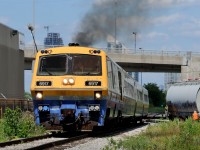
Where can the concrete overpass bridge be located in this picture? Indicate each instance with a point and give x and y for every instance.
(149, 61)
(186, 63)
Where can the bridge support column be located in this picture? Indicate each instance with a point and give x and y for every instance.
(192, 70)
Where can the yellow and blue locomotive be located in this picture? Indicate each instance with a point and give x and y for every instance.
(79, 88)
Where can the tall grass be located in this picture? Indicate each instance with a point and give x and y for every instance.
(18, 124)
(172, 135)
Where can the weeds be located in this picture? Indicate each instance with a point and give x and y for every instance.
(170, 135)
(18, 124)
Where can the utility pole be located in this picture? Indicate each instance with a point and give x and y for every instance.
(30, 27)
(47, 28)
(135, 33)
(33, 27)
(141, 71)
(115, 23)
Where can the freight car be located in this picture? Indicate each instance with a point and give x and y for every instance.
(183, 99)
(80, 88)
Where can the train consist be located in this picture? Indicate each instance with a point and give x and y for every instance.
(81, 88)
(183, 99)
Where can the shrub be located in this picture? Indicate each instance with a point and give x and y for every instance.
(27, 126)
(3, 137)
(11, 122)
(18, 124)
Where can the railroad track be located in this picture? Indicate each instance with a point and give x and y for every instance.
(58, 140)
(24, 140)
(41, 142)
(156, 117)
(95, 139)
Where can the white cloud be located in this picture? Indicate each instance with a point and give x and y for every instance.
(196, 21)
(4, 20)
(189, 33)
(166, 19)
(169, 3)
(189, 26)
(156, 35)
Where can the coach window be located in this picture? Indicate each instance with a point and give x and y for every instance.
(120, 83)
(146, 98)
(110, 80)
(113, 75)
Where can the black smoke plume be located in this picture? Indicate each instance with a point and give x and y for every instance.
(100, 21)
(128, 15)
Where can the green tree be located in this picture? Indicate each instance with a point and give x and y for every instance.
(27, 96)
(156, 96)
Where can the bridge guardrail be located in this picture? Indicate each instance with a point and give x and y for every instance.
(148, 52)
(30, 52)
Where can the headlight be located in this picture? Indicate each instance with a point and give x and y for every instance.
(39, 95)
(68, 81)
(65, 81)
(97, 108)
(71, 81)
(98, 95)
(91, 108)
(40, 108)
(94, 107)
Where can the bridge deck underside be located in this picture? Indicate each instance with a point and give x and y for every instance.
(144, 67)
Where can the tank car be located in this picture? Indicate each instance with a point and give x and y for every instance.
(183, 99)
(79, 88)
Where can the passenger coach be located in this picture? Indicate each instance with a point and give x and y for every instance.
(81, 87)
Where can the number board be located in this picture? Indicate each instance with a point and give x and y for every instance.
(92, 83)
(43, 83)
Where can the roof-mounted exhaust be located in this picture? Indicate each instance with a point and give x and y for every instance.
(73, 44)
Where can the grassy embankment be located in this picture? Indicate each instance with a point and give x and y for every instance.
(172, 135)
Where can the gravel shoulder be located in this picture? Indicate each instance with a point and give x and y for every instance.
(100, 143)
(97, 143)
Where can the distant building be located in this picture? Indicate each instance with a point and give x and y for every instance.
(114, 46)
(134, 75)
(171, 78)
(53, 40)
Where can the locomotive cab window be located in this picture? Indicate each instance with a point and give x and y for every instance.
(70, 64)
(86, 65)
(52, 65)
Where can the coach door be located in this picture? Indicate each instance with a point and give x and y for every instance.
(120, 83)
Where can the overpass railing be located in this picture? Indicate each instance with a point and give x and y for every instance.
(30, 51)
(147, 52)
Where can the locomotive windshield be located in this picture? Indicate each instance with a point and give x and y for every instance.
(70, 64)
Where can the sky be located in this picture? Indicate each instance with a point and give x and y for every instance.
(169, 25)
